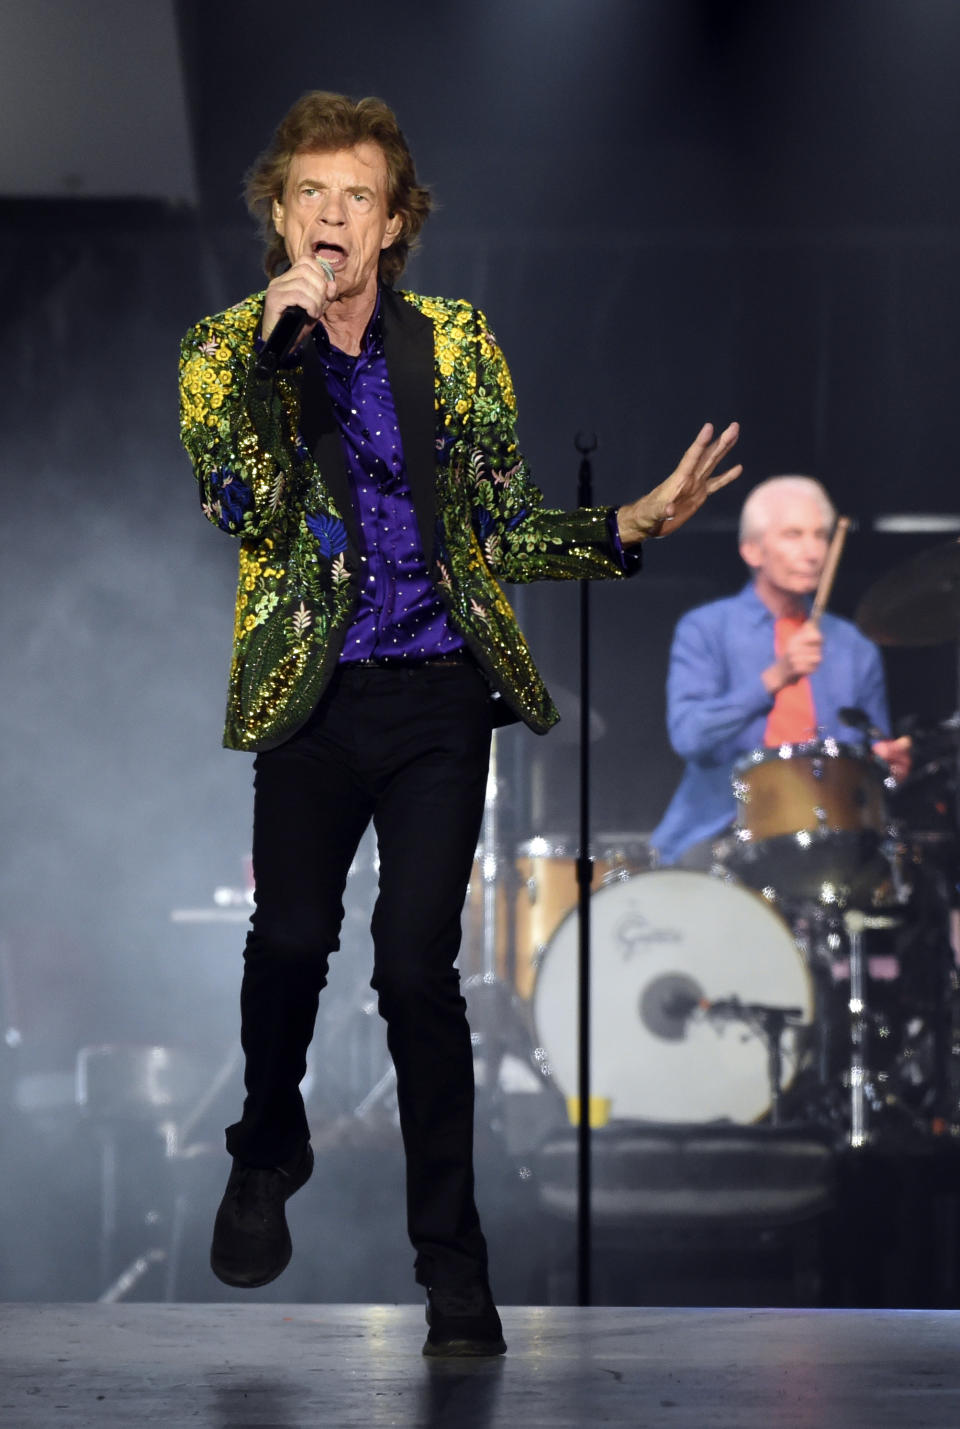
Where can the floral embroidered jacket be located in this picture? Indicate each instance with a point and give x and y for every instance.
(269, 461)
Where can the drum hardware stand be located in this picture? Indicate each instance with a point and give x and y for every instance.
(585, 442)
(490, 1014)
(859, 1132)
(227, 1069)
(866, 1096)
(128, 1279)
(825, 946)
(133, 1273)
(770, 1022)
(175, 1137)
(843, 1085)
(377, 1093)
(773, 1021)
(824, 933)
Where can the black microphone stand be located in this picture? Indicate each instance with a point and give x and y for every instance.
(585, 442)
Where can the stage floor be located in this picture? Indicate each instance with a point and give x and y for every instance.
(327, 1366)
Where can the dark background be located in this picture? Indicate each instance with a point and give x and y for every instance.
(672, 211)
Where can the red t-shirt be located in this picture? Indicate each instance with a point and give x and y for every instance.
(793, 718)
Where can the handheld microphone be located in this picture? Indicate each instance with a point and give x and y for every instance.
(289, 326)
(281, 341)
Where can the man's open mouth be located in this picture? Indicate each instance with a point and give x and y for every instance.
(333, 253)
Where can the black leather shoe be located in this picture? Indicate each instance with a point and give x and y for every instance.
(251, 1239)
(463, 1320)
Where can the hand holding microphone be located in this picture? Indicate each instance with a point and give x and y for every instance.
(295, 302)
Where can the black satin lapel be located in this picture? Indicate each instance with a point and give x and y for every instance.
(408, 344)
(319, 430)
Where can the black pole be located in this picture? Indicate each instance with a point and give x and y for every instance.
(586, 442)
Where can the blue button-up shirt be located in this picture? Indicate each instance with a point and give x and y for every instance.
(717, 704)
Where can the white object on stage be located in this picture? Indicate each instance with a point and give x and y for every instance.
(663, 944)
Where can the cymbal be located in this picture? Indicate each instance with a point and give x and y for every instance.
(918, 602)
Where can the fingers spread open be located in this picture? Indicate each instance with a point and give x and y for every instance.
(718, 449)
(717, 483)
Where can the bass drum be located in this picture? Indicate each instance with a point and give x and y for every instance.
(660, 943)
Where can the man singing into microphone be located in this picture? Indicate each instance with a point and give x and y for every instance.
(754, 670)
(379, 496)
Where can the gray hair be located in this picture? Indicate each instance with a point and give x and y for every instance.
(760, 505)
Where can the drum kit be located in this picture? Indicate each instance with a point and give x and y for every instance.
(809, 978)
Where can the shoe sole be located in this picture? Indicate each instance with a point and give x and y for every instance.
(245, 1282)
(462, 1349)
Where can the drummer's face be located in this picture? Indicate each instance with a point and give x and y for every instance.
(789, 555)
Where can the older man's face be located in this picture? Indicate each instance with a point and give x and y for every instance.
(790, 553)
(335, 207)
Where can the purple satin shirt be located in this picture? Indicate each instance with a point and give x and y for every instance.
(399, 614)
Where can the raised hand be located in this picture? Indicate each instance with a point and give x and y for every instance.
(668, 506)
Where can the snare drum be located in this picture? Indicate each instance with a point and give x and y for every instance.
(661, 942)
(810, 821)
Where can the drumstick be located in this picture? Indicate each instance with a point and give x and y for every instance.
(830, 568)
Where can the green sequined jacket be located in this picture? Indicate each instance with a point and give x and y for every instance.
(270, 465)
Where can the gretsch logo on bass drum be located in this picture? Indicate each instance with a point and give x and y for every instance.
(636, 933)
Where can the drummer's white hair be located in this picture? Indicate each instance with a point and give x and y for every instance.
(761, 504)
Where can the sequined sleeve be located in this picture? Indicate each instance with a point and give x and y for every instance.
(233, 424)
(523, 540)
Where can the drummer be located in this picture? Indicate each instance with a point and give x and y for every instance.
(754, 670)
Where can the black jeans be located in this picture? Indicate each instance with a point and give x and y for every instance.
(409, 748)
